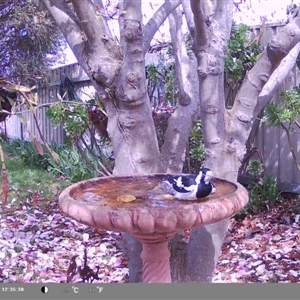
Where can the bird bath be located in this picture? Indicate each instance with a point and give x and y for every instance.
(152, 220)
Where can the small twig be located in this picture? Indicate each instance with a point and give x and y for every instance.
(297, 123)
(5, 186)
(102, 166)
(188, 157)
(291, 145)
(84, 156)
(43, 105)
(109, 169)
(54, 156)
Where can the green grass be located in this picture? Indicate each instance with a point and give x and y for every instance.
(27, 182)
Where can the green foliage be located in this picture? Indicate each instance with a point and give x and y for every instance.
(263, 191)
(26, 152)
(255, 168)
(197, 152)
(196, 155)
(196, 143)
(170, 88)
(287, 111)
(71, 166)
(28, 34)
(73, 117)
(163, 76)
(263, 195)
(154, 74)
(241, 55)
(285, 115)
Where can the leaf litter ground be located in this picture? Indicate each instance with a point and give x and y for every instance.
(263, 248)
(38, 244)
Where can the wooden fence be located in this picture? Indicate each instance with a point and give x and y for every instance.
(16, 130)
(271, 142)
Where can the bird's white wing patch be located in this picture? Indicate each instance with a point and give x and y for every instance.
(191, 188)
(186, 196)
(198, 178)
(179, 182)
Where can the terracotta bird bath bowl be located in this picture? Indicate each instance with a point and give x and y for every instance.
(151, 219)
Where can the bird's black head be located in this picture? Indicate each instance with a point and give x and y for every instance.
(205, 170)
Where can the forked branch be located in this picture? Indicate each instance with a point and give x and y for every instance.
(157, 20)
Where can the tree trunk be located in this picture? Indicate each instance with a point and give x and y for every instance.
(196, 260)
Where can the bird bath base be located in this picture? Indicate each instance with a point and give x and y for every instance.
(151, 219)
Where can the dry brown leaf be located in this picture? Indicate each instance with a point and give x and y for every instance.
(277, 237)
(164, 197)
(36, 143)
(126, 198)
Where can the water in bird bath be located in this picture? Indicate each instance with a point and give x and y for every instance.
(144, 188)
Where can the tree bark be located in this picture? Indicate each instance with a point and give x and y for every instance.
(279, 75)
(186, 113)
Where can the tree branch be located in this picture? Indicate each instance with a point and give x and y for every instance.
(189, 16)
(224, 8)
(200, 16)
(275, 80)
(100, 63)
(93, 23)
(69, 26)
(210, 44)
(157, 20)
(186, 112)
(104, 56)
(133, 68)
(245, 106)
(121, 24)
(104, 15)
(175, 20)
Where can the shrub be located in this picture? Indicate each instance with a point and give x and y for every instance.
(71, 165)
(263, 190)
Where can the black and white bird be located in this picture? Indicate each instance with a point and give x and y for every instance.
(191, 187)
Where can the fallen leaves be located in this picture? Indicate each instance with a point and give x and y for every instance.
(38, 243)
(262, 248)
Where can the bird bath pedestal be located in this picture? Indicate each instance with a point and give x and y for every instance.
(151, 219)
